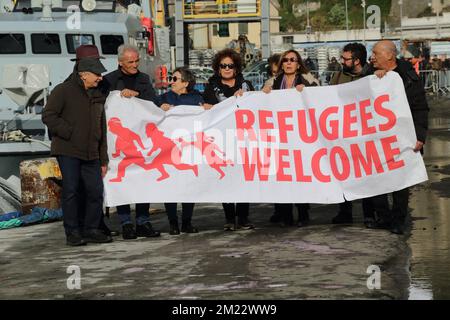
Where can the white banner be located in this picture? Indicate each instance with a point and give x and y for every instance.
(353, 140)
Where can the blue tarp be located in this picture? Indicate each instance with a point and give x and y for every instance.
(37, 215)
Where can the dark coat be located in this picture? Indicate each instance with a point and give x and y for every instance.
(308, 80)
(113, 81)
(345, 77)
(216, 91)
(193, 98)
(417, 100)
(75, 118)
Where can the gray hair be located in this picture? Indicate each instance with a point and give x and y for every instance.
(124, 48)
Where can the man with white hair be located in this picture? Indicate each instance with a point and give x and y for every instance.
(131, 83)
(384, 57)
(127, 78)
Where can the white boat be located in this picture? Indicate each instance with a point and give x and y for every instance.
(36, 46)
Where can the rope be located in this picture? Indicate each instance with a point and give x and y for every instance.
(10, 224)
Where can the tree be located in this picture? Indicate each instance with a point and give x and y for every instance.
(337, 15)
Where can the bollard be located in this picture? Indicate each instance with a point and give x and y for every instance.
(40, 181)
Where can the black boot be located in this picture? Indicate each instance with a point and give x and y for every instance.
(288, 219)
(146, 230)
(370, 222)
(342, 218)
(276, 217)
(174, 229)
(74, 239)
(187, 227)
(244, 223)
(397, 226)
(128, 232)
(303, 214)
(230, 225)
(96, 236)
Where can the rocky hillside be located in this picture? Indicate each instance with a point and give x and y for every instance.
(331, 14)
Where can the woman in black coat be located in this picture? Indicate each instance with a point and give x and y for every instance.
(228, 81)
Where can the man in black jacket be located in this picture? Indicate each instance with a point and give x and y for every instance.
(127, 78)
(384, 58)
(75, 117)
(131, 83)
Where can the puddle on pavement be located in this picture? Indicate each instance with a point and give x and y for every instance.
(430, 236)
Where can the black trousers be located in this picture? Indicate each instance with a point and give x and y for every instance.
(74, 199)
(187, 209)
(285, 210)
(235, 209)
(399, 209)
(346, 208)
(142, 213)
(81, 211)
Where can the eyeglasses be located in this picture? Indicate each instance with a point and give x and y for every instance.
(284, 60)
(224, 66)
(346, 59)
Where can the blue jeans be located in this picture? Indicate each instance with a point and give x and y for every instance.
(142, 214)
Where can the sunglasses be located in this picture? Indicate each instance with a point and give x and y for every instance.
(224, 66)
(284, 60)
(173, 78)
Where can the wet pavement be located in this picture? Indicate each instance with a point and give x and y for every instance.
(430, 236)
(321, 261)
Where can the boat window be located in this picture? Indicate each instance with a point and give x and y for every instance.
(12, 43)
(45, 43)
(37, 7)
(75, 40)
(110, 43)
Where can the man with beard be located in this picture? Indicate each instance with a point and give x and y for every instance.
(354, 67)
(354, 64)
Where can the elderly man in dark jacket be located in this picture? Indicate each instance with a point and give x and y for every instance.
(131, 83)
(75, 117)
(127, 78)
(384, 58)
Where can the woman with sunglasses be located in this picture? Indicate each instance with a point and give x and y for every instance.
(292, 74)
(182, 92)
(226, 82)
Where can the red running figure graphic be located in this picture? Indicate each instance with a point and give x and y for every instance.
(125, 144)
(170, 154)
(211, 152)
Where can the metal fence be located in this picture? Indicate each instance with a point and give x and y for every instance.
(197, 9)
(257, 79)
(435, 82)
